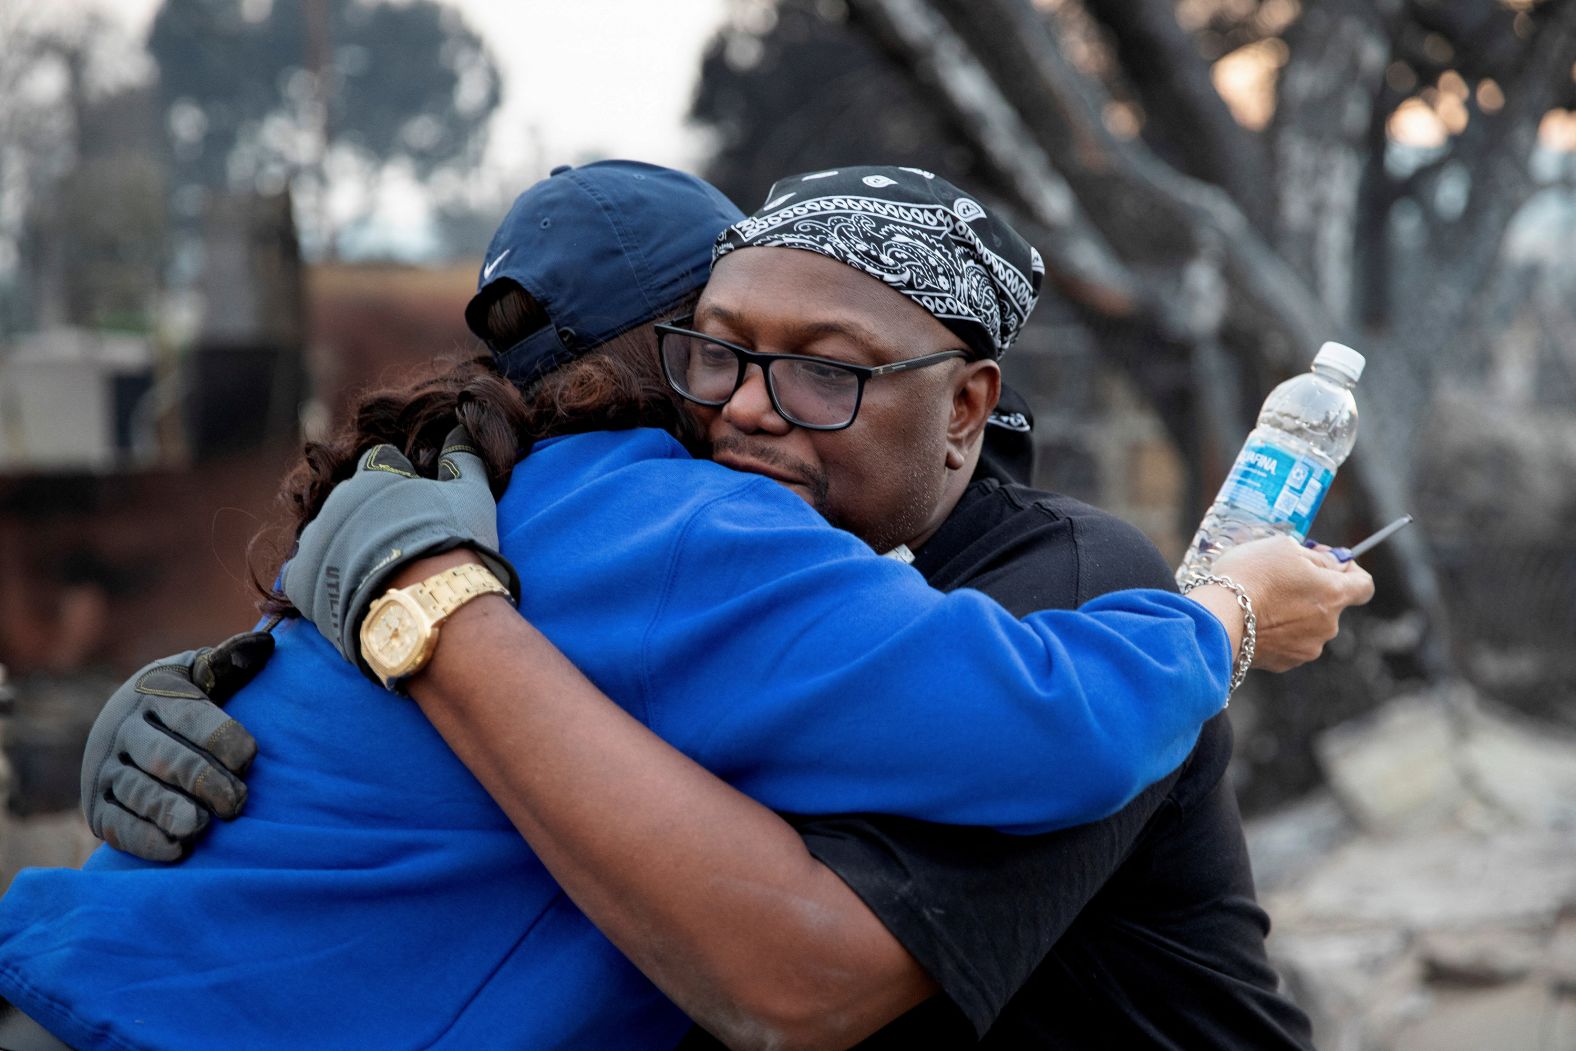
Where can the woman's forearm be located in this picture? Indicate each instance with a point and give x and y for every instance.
(713, 896)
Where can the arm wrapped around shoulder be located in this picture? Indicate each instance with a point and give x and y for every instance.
(381, 518)
(859, 688)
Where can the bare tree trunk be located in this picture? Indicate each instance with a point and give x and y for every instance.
(319, 59)
(1324, 112)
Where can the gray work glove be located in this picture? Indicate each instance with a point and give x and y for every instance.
(162, 756)
(378, 520)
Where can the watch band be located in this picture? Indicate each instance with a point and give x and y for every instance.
(446, 591)
(401, 628)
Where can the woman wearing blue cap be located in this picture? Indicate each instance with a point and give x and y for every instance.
(372, 895)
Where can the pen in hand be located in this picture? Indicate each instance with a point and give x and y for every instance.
(1362, 547)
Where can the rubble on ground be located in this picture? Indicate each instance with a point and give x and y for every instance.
(1426, 901)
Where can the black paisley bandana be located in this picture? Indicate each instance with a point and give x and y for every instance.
(916, 232)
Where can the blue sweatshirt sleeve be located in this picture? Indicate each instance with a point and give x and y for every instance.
(817, 678)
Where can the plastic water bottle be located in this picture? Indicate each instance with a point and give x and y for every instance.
(1305, 431)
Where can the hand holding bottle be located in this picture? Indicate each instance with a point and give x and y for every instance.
(1298, 596)
(1305, 431)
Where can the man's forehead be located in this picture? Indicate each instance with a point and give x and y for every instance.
(803, 319)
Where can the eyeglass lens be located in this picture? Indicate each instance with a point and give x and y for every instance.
(809, 393)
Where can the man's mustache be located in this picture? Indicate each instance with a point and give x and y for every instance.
(764, 454)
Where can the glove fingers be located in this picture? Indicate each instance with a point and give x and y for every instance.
(232, 664)
(169, 812)
(126, 831)
(461, 461)
(328, 562)
(387, 458)
(105, 742)
(471, 503)
(196, 747)
(170, 680)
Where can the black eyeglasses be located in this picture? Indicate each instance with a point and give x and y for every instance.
(818, 394)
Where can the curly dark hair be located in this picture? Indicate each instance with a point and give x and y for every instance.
(614, 386)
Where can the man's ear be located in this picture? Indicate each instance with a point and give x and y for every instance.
(975, 390)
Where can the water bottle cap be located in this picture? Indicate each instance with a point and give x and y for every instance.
(1342, 359)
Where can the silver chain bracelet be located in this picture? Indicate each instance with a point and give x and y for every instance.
(1250, 625)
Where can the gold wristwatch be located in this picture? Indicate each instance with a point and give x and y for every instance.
(401, 627)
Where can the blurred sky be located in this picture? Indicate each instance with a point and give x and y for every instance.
(582, 80)
(584, 77)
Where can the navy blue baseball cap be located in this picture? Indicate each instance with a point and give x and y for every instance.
(602, 248)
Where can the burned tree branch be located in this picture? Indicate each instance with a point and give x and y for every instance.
(1162, 62)
(1497, 165)
(1060, 112)
(1078, 258)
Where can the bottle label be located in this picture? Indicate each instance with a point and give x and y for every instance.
(1277, 486)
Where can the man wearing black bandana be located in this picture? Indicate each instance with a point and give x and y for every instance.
(915, 233)
(1140, 930)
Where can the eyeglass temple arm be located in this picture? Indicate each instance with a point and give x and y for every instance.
(917, 363)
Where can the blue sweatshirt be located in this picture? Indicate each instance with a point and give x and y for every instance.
(373, 896)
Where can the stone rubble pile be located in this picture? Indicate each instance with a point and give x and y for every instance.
(1427, 900)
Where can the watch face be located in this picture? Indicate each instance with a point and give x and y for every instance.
(392, 635)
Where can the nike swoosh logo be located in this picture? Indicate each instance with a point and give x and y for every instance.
(487, 271)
